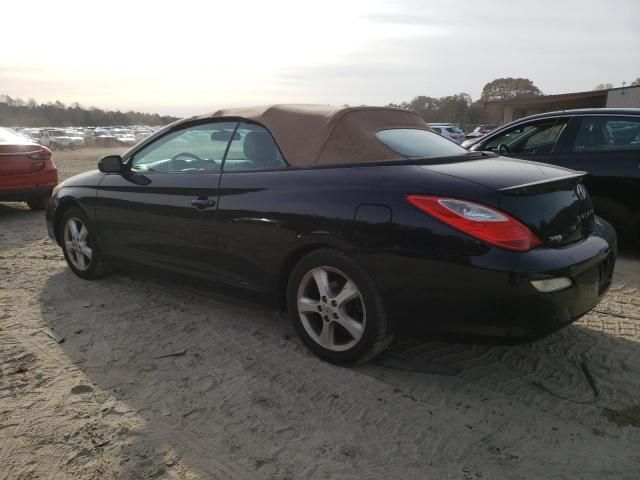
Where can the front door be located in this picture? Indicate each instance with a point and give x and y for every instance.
(162, 210)
(535, 141)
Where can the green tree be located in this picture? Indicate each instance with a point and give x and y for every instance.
(506, 88)
(603, 86)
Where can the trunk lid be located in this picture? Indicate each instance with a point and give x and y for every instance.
(21, 159)
(552, 201)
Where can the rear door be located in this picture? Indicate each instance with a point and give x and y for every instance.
(608, 148)
(163, 210)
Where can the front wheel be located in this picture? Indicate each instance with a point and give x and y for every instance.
(336, 308)
(80, 245)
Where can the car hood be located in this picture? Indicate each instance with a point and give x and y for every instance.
(500, 172)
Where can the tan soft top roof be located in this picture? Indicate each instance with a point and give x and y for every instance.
(324, 135)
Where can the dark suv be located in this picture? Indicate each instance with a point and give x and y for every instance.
(602, 141)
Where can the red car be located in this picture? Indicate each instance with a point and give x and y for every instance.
(27, 171)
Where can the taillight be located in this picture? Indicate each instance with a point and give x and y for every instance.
(44, 154)
(482, 222)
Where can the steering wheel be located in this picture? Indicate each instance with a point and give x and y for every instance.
(503, 148)
(172, 164)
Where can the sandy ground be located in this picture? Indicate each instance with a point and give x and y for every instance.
(155, 379)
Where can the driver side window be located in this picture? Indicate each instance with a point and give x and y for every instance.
(199, 148)
(539, 137)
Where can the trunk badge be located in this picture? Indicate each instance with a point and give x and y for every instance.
(581, 191)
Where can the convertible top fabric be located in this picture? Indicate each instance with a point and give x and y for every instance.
(313, 135)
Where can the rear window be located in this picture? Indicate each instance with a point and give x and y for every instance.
(410, 142)
(453, 130)
(7, 136)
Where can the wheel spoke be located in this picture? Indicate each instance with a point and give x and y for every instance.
(349, 292)
(350, 325)
(82, 235)
(322, 281)
(81, 260)
(74, 229)
(69, 245)
(327, 338)
(86, 251)
(307, 305)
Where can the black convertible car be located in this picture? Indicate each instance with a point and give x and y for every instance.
(355, 219)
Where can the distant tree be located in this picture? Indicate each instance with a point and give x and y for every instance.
(426, 107)
(17, 112)
(636, 82)
(452, 108)
(603, 86)
(505, 88)
(475, 114)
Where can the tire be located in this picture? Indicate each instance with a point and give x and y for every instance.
(75, 250)
(345, 324)
(38, 203)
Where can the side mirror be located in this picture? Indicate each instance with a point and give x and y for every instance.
(110, 164)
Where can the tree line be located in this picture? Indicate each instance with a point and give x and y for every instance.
(30, 113)
(463, 111)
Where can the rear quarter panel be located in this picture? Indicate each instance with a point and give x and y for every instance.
(266, 219)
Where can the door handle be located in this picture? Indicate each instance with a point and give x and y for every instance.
(202, 203)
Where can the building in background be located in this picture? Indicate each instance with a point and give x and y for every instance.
(504, 111)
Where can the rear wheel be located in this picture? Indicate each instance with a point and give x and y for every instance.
(38, 203)
(80, 245)
(336, 309)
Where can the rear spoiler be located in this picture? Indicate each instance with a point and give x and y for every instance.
(542, 186)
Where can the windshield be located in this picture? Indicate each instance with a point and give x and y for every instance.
(413, 143)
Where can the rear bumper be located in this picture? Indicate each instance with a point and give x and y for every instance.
(17, 188)
(492, 295)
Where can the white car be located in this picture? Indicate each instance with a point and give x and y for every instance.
(124, 136)
(77, 138)
(142, 134)
(55, 138)
(449, 131)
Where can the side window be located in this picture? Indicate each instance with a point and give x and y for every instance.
(539, 137)
(199, 148)
(253, 148)
(597, 134)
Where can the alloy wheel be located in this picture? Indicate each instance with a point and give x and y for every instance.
(77, 243)
(331, 308)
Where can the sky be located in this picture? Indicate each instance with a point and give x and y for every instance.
(189, 57)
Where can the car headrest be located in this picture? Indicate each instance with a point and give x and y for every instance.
(260, 148)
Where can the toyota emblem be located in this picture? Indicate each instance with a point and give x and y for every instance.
(581, 191)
